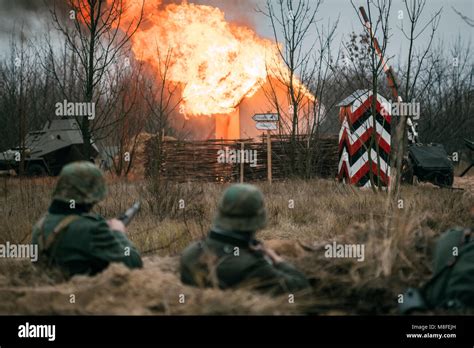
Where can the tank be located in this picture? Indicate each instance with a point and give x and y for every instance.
(48, 150)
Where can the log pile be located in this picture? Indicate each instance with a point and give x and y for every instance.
(182, 161)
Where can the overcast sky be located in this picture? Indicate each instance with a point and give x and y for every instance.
(451, 26)
(32, 14)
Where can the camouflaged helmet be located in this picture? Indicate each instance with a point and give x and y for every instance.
(240, 209)
(443, 254)
(82, 182)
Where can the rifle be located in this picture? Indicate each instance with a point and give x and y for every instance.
(130, 213)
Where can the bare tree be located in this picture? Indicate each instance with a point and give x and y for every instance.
(319, 83)
(92, 33)
(162, 97)
(377, 28)
(469, 21)
(415, 64)
(128, 115)
(447, 92)
(292, 23)
(21, 83)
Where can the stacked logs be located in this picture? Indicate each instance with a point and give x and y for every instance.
(182, 161)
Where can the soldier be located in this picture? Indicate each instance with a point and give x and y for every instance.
(452, 283)
(73, 238)
(231, 257)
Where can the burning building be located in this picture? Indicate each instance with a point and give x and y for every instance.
(224, 71)
(239, 123)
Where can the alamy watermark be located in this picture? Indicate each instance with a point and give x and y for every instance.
(237, 156)
(23, 251)
(398, 108)
(336, 250)
(28, 330)
(83, 109)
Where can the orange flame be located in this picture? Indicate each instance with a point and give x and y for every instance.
(216, 63)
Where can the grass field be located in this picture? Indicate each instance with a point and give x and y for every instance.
(303, 217)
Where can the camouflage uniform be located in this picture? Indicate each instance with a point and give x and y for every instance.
(227, 257)
(452, 284)
(74, 239)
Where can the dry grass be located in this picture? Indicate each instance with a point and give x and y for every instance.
(398, 245)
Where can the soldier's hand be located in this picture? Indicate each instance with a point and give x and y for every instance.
(273, 255)
(269, 252)
(116, 225)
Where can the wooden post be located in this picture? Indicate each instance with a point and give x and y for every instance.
(269, 157)
(242, 162)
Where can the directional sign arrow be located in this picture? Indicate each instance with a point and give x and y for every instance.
(265, 117)
(266, 125)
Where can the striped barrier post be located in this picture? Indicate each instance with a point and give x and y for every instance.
(357, 141)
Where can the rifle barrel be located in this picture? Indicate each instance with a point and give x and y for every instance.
(130, 213)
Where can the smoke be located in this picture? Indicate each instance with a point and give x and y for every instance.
(30, 18)
(22, 5)
(30, 15)
(241, 12)
(22, 13)
(23, 19)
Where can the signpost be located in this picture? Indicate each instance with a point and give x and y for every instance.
(268, 126)
(241, 162)
(265, 117)
(267, 122)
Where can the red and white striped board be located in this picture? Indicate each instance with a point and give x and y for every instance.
(355, 137)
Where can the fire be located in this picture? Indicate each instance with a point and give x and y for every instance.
(216, 63)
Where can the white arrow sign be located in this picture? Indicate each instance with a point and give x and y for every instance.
(266, 125)
(265, 117)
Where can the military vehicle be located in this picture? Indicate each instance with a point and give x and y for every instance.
(429, 163)
(48, 150)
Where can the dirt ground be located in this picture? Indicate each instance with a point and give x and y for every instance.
(398, 246)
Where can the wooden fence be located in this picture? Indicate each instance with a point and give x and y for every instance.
(215, 160)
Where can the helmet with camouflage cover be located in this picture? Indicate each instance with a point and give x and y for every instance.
(444, 252)
(241, 209)
(82, 182)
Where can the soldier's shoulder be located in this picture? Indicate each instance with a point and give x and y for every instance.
(87, 221)
(238, 254)
(192, 248)
(254, 257)
(40, 222)
(453, 235)
(457, 229)
(93, 217)
(191, 253)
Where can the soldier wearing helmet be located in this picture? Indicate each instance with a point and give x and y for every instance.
(73, 238)
(231, 257)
